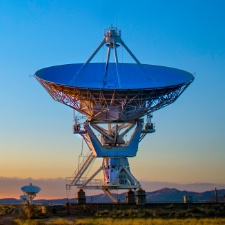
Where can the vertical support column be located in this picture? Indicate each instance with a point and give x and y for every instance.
(81, 198)
(140, 197)
(130, 197)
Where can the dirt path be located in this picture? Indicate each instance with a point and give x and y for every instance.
(9, 218)
(6, 220)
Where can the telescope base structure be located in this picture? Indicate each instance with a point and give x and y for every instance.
(130, 197)
(115, 152)
(81, 198)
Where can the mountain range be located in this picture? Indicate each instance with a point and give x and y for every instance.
(170, 195)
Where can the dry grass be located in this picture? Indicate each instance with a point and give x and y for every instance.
(43, 222)
(150, 221)
(28, 222)
(109, 221)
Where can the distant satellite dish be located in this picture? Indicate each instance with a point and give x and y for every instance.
(30, 192)
(23, 198)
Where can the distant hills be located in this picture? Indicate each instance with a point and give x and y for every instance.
(54, 188)
(174, 195)
(163, 195)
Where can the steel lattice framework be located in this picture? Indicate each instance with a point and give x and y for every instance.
(114, 97)
(110, 105)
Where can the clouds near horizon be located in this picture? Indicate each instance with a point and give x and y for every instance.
(53, 188)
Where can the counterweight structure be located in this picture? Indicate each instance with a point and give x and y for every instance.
(117, 99)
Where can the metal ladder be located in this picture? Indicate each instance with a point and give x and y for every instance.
(83, 166)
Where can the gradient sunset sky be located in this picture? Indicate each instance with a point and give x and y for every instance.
(36, 137)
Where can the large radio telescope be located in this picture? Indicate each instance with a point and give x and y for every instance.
(120, 95)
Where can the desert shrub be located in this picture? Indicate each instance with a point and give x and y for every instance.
(28, 222)
(6, 209)
(162, 214)
(172, 214)
(60, 222)
(195, 209)
(102, 213)
(180, 214)
(171, 206)
(84, 208)
(210, 212)
(132, 212)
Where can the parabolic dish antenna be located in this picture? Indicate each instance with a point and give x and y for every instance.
(23, 198)
(120, 95)
(114, 91)
(30, 192)
(30, 189)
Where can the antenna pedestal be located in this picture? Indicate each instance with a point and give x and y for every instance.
(116, 172)
(114, 150)
(107, 141)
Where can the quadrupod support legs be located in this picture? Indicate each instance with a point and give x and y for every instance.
(112, 147)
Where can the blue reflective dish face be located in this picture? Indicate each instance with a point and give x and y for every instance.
(30, 189)
(123, 76)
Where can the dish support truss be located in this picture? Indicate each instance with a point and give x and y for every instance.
(107, 105)
(115, 152)
(113, 105)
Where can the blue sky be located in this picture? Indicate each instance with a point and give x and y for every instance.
(36, 132)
